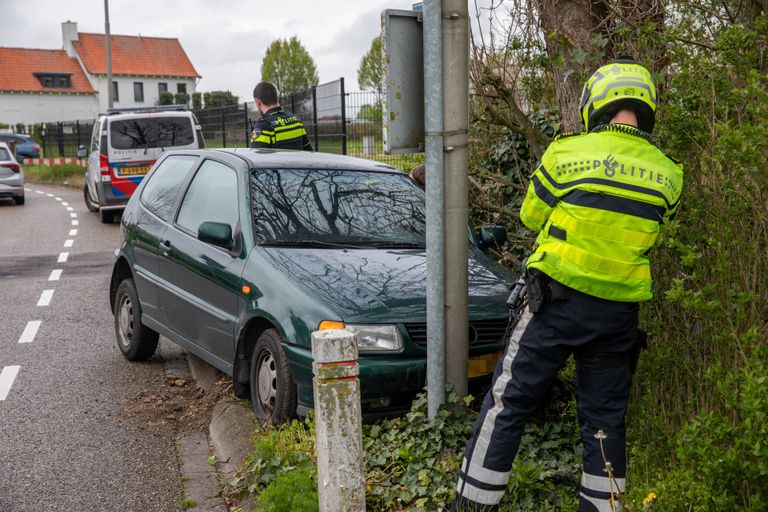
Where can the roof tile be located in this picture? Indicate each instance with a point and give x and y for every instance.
(19, 66)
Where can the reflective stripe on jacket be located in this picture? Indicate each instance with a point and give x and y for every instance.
(279, 129)
(599, 201)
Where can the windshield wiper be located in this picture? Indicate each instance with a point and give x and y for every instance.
(302, 243)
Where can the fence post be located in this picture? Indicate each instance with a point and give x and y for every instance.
(223, 128)
(247, 131)
(340, 481)
(343, 118)
(77, 128)
(314, 117)
(60, 137)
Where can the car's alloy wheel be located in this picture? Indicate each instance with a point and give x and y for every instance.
(136, 341)
(273, 393)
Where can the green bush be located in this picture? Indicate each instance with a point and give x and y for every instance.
(54, 173)
(293, 491)
(166, 98)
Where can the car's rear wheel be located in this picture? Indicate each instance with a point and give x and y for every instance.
(88, 203)
(107, 216)
(18, 200)
(273, 393)
(136, 341)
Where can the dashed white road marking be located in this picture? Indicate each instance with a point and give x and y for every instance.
(72, 214)
(49, 194)
(28, 336)
(55, 275)
(64, 203)
(75, 222)
(63, 257)
(58, 198)
(7, 376)
(68, 243)
(39, 192)
(70, 209)
(72, 232)
(27, 189)
(45, 298)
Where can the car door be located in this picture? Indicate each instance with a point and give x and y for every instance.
(201, 282)
(146, 224)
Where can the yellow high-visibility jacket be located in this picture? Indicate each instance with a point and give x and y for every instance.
(599, 201)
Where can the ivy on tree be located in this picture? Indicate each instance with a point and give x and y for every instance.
(288, 65)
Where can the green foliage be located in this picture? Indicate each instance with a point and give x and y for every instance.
(369, 72)
(214, 99)
(290, 492)
(188, 503)
(166, 98)
(54, 173)
(197, 101)
(371, 112)
(181, 98)
(288, 65)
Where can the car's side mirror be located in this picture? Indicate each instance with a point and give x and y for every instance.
(216, 233)
(82, 152)
(492, 235)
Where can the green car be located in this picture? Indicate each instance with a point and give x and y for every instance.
(239, 255)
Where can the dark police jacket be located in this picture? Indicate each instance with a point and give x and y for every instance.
(279, 129)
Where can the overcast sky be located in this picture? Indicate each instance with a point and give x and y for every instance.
(224, 39)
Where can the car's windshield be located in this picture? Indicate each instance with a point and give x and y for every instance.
(151, 132)
(337, 207)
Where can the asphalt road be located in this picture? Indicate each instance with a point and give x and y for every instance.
(65, 441)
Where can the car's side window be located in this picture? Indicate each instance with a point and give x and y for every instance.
(211, 197)
(160, 192)
(95, 135)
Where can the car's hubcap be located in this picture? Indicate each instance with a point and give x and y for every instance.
(125, 321)
(267, 380)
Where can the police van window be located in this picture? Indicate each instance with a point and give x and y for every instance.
(211, 197)
(160, 192)
(151, 132)
(95, 136)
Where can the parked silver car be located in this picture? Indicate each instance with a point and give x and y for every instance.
(11, 175)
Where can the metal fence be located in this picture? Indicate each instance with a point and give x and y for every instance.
(337, 121)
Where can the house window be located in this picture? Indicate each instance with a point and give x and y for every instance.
(181, 88)
(55, 80)
(115, 94)
(162, 87)
(138, 92)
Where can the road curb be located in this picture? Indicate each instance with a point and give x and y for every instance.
(230, 431)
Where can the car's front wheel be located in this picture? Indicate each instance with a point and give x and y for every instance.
(19, 200)
(136, 341)
(92, 207)
(273, 393)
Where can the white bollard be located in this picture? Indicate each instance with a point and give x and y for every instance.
(338, 423)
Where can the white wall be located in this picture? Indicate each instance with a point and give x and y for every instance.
(125, 90)
(31, 108)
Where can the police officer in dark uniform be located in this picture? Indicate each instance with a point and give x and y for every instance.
(277, 128)
(599, 201)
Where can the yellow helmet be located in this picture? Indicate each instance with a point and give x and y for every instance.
(621, 84)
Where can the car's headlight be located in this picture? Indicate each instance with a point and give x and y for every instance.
(371, 338)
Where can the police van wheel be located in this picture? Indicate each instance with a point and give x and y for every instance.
(107, 216)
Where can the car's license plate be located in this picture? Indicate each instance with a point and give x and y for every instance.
(132, 171)
(483, 365)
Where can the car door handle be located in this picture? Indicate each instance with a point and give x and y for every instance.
(165, 246)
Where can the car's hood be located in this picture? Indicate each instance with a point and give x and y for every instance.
(377, 286)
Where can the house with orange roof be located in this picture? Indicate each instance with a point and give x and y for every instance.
(71, 84)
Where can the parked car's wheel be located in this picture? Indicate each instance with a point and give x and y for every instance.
(136, 341)
(273, 393)
(107, 216)
(88, 203)
(19, 199)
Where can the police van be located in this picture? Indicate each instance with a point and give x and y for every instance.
(124, 145)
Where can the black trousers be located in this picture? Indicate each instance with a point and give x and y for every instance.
(602, 336)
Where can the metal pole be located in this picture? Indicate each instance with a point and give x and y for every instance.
(223, 128)
(338, 422)
(455, 124)
(110, 103)
(314, 117)
(343, 118)
(433, 149)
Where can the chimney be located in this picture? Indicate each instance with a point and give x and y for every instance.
(68, 35)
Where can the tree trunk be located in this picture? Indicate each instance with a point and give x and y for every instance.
(568, 26)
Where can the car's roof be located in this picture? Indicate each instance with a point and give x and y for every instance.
(135, 115)
(11, 136)
(276, 158)
(288, 159)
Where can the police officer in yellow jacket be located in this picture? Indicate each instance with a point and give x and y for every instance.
(599, 201)
(276, 128)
